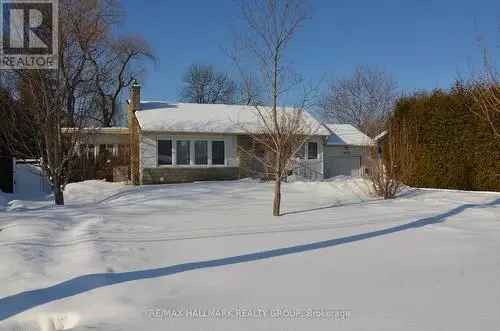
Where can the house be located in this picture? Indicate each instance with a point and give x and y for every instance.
(183, 142)
(192, 142)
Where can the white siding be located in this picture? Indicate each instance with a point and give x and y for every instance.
(149, 142)
(148, 150)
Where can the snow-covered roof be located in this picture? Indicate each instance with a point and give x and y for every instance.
(346, 134)
(206, 118)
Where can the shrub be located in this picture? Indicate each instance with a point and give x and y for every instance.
(447, 145)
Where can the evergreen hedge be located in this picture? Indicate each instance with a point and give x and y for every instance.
(450, 146)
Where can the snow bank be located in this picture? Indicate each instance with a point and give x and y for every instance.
(117, 250)
(46, 322)
(92, 191)
(32, 191)
(340, 188)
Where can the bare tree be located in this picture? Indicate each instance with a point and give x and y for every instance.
(84, 25)
(18, 136)
(94, 60)
(204, 84)
(117, 63)
(364, 100)
(382, 178)
(485, 90)
(51, 101)
(392, 162)
(35, 127)
(382, 169)
(54, 105)
(249, 89)
(270, 27)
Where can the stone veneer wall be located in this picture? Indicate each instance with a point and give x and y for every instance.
(185, 175)
(244, 150)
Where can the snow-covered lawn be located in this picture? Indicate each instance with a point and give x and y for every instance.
(166, 257)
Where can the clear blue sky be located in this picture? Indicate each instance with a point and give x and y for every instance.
(424, 44)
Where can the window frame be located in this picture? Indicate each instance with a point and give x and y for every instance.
(106, 151)
(189, 152)
(212, 152)
(158, 152)
(192, 161)
(91, 151)
(207, 151)
(308, 150)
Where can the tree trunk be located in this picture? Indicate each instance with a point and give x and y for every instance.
(70, 107)
(58, 193)
(277, 196)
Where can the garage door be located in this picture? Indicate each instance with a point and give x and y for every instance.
(343, 165)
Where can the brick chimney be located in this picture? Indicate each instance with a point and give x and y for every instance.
(133, 126)
(135, 101)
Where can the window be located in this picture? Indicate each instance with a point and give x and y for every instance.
(218, 153)
(312, 151)
(91, 151)
(301, 153)
(106, 151)
(200, 152)
(183, 157)
(164, 152)
(102, 150)
(111, 150)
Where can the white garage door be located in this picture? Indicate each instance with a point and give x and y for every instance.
(343, 165)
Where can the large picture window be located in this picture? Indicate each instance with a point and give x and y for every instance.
(312, 150)
(218, 153)
(190, 152)
(183, 156)
(164, 152)
(201, 152)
